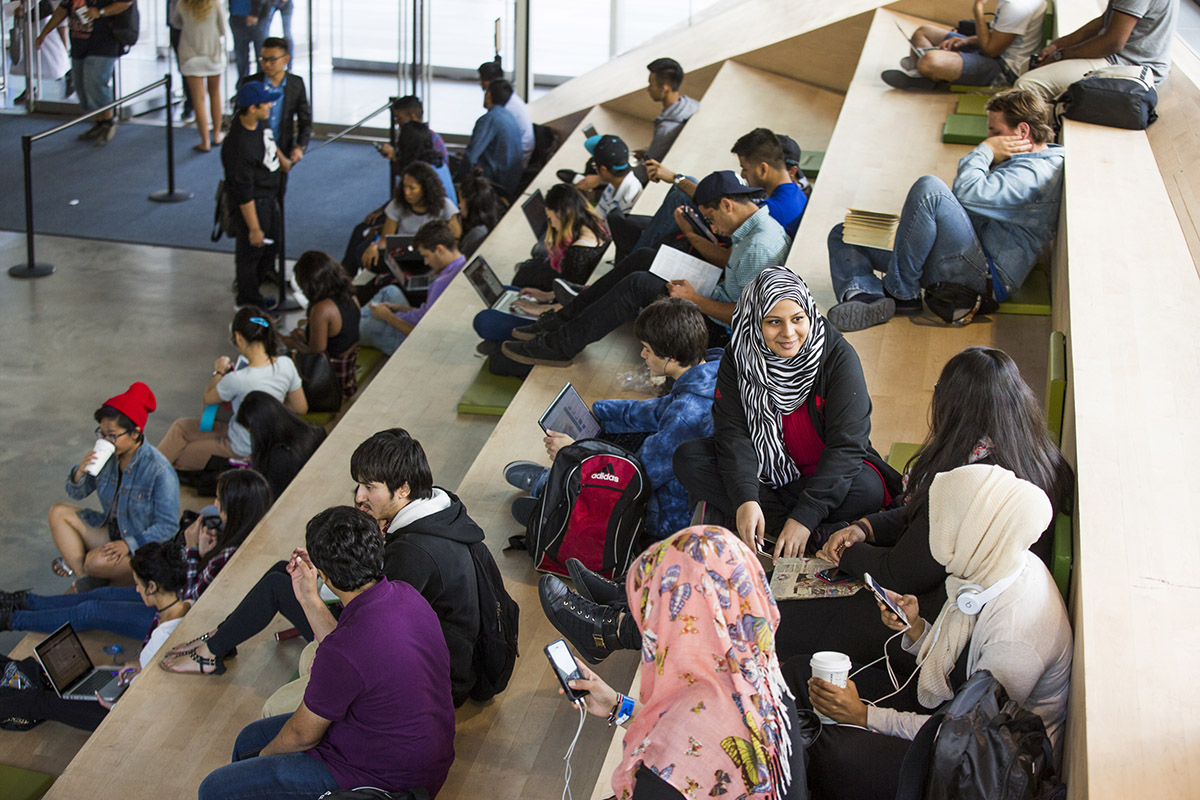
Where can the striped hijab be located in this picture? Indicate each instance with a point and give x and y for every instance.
(773, 386)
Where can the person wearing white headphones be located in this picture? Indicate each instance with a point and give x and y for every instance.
(1003, 613)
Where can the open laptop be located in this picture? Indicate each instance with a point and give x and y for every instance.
(71, 671)
(569, 414)
(489, 288)
(396, 249)
(535, 213)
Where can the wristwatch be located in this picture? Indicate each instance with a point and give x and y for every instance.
(102, 12)
(678, 178)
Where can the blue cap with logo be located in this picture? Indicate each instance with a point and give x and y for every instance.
(253, 93)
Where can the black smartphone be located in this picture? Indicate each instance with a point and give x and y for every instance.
(834, 576)
(565, 667)
(589, 131)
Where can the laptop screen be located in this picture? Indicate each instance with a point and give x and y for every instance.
(535, 212)
(484, 281)
(63, 657)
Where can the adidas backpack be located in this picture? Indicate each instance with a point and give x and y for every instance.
(499, 619)
(592, 508)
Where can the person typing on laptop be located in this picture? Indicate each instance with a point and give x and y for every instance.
(159, 572)
(674, 337)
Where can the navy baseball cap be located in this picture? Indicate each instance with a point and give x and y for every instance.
(253, 93)
(721, 184)
(791, 150)
(609, 151)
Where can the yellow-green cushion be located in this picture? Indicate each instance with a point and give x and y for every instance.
(810, 163)
(488, 394)
(972, 104)
(958, 88)
(1056, 385)
(1062, 559)
(23, 784)
(1033, 297)
(964, 129)
(902, 453)
(369, 359)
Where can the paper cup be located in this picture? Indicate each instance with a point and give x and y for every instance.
(831, 666)
(104, 450)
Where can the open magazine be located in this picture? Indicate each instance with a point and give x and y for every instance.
(795, 579)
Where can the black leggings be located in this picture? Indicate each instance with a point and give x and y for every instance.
(270, 596)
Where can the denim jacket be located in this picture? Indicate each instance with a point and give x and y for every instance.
(496, 147)
(149, 506)
(685, 413)
(1014, 207)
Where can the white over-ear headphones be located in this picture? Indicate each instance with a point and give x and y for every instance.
(972, 597)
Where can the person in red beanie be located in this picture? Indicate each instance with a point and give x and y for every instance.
(138, 491)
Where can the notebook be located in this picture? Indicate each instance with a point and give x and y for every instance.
(675, 265)
(489, 288)
(71, 671)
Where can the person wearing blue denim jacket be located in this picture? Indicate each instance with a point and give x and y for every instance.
(495, 145)
(138, 491)
(674, 336)
(989, 229)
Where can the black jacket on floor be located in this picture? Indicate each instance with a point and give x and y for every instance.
(432, 555)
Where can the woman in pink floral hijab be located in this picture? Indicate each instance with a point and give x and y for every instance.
(710, 718)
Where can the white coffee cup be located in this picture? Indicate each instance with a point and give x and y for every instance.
(831, 666)
(104, 450)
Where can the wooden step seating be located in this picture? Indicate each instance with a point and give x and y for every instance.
(902, 359)
(1131, 426)
(418, 389)
(48, 748)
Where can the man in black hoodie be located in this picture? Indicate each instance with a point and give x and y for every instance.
(427, 538)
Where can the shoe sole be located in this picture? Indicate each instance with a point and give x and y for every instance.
(898, 79)
(855, 316)
(522, 336)
(531, 361)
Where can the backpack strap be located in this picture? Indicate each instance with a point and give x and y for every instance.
(916, 761)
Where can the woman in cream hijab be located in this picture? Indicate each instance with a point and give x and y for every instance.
(982, 521)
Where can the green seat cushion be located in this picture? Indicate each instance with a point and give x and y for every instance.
(810, 163)
(902, 453)
(959, 88)
(972, 104)
(488, 394)
(369, 359)
(964, 129)
(1033, 297)
(23, 784)
(1063, 557)
(321, 418)
(1056, 385)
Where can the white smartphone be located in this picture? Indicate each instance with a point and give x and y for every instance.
(878, 591)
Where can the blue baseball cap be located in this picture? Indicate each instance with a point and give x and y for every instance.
(253, 93)
(721, 184)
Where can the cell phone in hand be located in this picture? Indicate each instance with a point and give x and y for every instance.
(834, 576)
(882, 596)
(589, 131)
(565, 667)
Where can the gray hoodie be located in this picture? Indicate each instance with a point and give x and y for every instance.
(668, 124)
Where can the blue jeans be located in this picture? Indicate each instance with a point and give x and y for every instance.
(497, 326)
(93, 80)
(244, 37)
(282, 777)
(285, 14)
(935, 242)
(663, 224)
(377, 333)
(112, 608)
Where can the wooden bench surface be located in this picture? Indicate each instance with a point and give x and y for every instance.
(173, 715)
(884, 140)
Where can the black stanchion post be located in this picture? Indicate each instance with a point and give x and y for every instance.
(31, 268)
(170, 195)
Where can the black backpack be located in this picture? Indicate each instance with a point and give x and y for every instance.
(981, 746)
(126, 26)
(1113, 96)
(499, 621)
(958, 304)
(592, 508)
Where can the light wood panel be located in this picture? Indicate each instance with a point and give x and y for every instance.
(1175, 140)
(884, 140)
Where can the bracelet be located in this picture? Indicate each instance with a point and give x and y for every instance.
(622, 710)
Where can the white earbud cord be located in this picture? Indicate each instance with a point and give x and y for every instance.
(566, 795)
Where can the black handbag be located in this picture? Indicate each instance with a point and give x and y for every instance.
(321, 386)
(958, 304)
(1115, 96)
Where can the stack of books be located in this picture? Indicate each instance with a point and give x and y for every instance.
(870, 229)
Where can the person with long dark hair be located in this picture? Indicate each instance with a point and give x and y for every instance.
(266, 369)
(419, 198)
(480, 208)
(280, 442)
(159, 575)
(243, 497)
(331, 326)
(415, 143)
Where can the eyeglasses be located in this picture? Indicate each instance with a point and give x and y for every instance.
(112, 437)
(270, 59)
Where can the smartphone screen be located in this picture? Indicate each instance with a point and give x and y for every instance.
(878, 591)
(564, 666)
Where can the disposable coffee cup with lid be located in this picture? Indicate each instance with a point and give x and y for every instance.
(831, 666)
(104, 450)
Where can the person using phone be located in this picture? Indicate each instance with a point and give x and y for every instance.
(712, 697)
(159, 574)
(982, 521)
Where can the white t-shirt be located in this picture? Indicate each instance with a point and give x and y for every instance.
(408, 223)
(622, 197)
(276, 379)
(1024, 19)
(157, 639)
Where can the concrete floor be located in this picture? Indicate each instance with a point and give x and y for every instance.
(110, 315)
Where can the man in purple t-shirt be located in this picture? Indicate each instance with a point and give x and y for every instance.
(377, 710)
(387, 320)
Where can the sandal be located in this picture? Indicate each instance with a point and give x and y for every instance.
(214, 665)
(188, 647)
(60, 568)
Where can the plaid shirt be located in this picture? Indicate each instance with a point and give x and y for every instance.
(344, 367)
(198, 579)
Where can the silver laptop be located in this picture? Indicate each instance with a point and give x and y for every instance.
(489, 288)
(71, 671)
